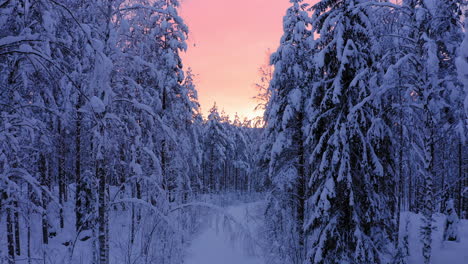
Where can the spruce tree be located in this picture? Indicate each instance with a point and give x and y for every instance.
(215, 151)
(462, 65)
(351, 206)
(285, 122)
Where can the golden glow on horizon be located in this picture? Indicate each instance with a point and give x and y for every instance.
(228, 41)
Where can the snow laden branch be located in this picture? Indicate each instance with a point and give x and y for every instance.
(140, 7)
(145, 204)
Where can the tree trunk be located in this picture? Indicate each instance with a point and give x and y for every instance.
(107, 223)
(428, 206)
(236, 179)
(301, 193)
(225, 172)
(45, 200)
(163, 150)
(163, 166)
(78, 183)
(138, 196)
(17, 229)
(132, 226)
(410, 185)
(212, 185)
(444, 192)
(60, 175)
(94, 245)
(10, 239)
(102, 211)
(460, 180)
(400, 193)
(29, 229)
(122, 175)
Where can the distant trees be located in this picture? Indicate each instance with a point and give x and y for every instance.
(227, 154)
(215, 151)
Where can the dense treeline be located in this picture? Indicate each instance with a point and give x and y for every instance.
(365, 119)
(101, 133)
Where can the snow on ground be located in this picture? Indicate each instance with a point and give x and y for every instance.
(219, 244)
(215, 245)
(443, 252)
(220, 241)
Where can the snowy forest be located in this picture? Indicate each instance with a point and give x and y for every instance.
(360, 157)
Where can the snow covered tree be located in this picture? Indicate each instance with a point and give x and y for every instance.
(194, 131)
(426, 72)
(352, 202)
(451, 223)
(448, 35)
(285, 121)
(215, 151)
(29, 104)
(84, 81)
(242, 156)
(462, 65)
(171, 39)
(162, 127)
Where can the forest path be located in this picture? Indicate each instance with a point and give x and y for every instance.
(221, 244)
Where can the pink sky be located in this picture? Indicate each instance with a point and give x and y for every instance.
(228, 42)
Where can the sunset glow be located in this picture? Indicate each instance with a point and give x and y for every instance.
(228, 42)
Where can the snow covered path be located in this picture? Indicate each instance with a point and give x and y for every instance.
(216, 247)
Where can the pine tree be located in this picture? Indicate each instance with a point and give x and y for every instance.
(194, 131)
(215, 151)
(351, 181)
(284, 133)
(242, 156)
(462, 65)
(448, 35)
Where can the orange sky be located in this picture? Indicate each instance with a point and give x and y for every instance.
(228, 42)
